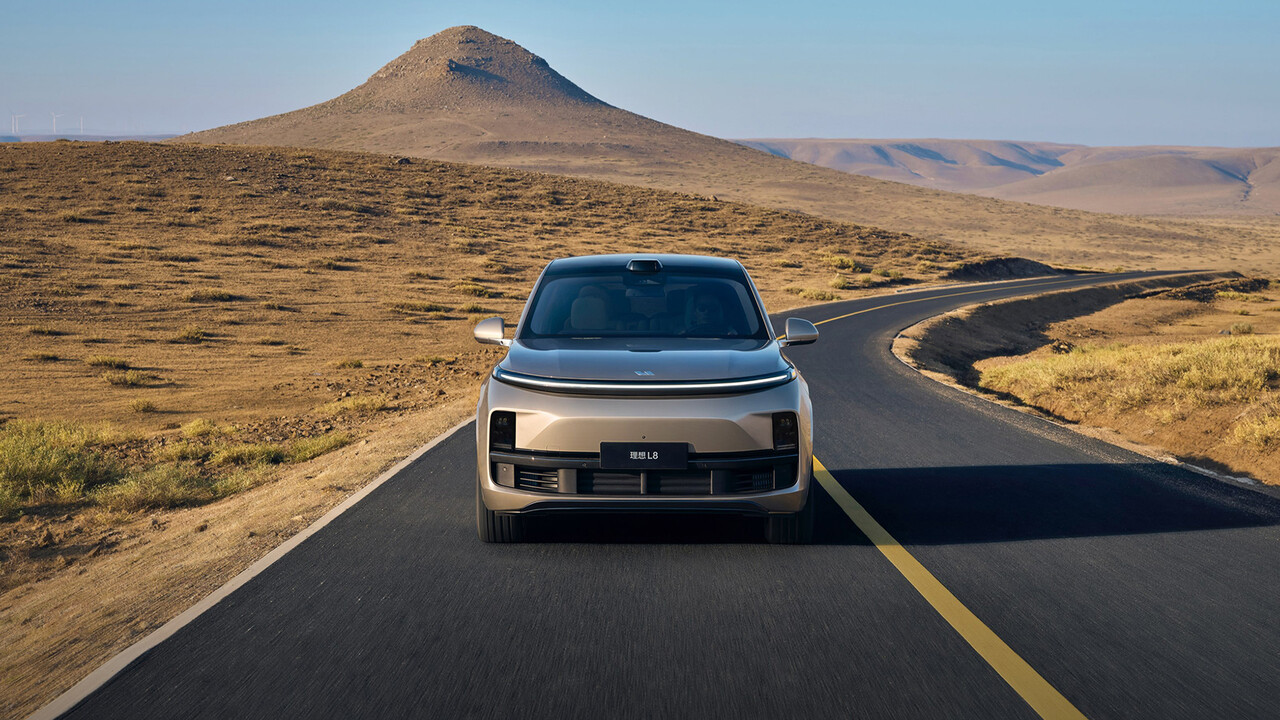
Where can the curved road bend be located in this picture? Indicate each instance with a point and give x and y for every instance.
(1131, 588)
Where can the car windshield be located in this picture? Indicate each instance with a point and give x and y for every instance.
(652, 305)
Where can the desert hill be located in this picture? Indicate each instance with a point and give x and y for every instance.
(1147, 180)
(468, 95)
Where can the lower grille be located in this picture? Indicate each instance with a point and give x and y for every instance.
(745, 481)
(680, 483)
(748, 476)
(537, 479)
(597, 482)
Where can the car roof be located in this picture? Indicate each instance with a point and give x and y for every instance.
(679, 263)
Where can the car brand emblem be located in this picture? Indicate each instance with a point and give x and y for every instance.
(644, 372)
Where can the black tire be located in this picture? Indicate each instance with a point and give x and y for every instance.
(794, 528)
(495, 528)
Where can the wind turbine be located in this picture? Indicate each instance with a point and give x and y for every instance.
(55, 121)
(14, 120)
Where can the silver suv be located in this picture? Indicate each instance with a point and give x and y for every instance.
(640, 383)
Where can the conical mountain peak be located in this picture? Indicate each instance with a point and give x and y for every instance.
(463, 66)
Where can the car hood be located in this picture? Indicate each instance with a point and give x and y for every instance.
(630, 360)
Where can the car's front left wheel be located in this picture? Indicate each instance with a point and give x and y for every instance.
(793, 528)
(495, 528)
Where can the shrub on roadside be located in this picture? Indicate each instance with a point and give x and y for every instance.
(125, 378)
(419, 307)
(248, 454)
(163, 486)
(113, 363)
(1194, 374)
(48, 461)
(304, 449)
(355, 405)
(191, 335)
(840, 262)
(819, 295)
(142, 406)
(199, 296)
(200, 427)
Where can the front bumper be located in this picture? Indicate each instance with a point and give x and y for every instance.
(732, 467)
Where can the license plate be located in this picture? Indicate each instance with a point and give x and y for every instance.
(644, 456)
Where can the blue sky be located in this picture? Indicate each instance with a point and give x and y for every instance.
(1100, 73)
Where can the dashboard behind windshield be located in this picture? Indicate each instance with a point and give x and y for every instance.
(652, 305)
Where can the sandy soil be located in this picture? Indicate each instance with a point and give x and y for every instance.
(312, 277)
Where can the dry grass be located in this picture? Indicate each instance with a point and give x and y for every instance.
(356, 405)
(161, 486)
(204, 296)
(52, 462)
(190, 335)
(142, 406)
(1260, 430)
(200, 428)
(126, 378)
(1177, 377)
(106, 361)
(305, 449)
(65, 465)
(1178, 374)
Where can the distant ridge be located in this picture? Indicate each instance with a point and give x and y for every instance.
(1145, 180)
(467, 95)
(87, 137)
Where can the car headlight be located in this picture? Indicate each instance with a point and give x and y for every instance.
(786, 431)
(502, 430)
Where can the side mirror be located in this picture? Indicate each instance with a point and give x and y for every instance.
(799, 332)
(490, 332)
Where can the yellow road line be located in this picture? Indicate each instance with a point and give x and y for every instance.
(1034, 689)
(1030, 686)
(931, 297)
(936, 297)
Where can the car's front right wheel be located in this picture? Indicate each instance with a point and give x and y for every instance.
(793, 528)
(495, 528)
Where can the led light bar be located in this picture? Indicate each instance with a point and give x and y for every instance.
(601, 387)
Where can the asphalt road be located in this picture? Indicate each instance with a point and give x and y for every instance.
(1134, 588)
